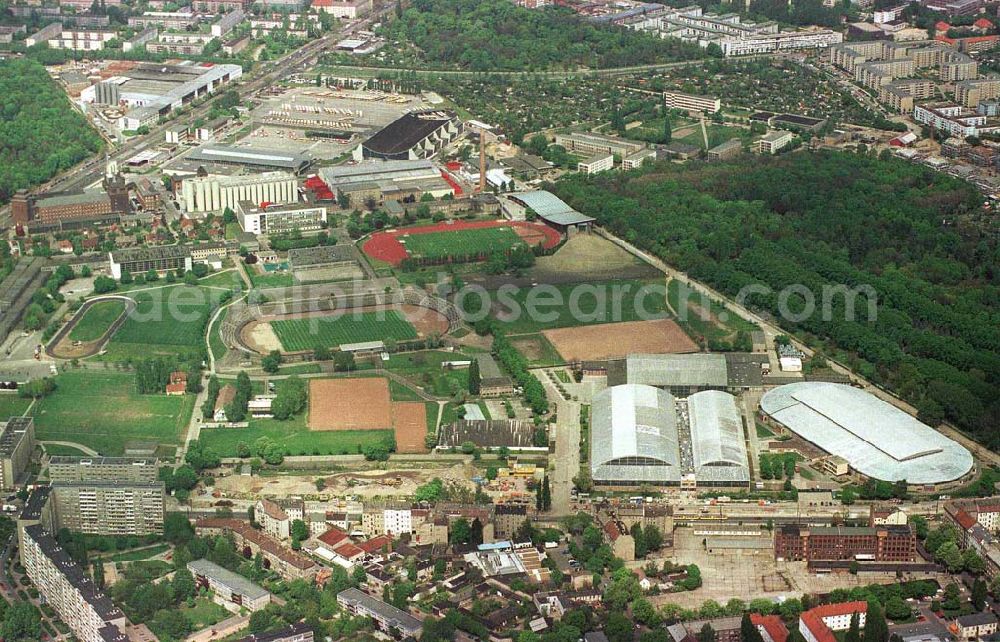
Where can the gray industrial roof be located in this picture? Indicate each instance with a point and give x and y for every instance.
(718, 447)
(878, 439)
(677, 369)
(376, 170)
(235, 582)
(245, 156)
(634, 435)
(551, 208)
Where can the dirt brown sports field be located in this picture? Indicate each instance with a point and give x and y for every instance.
(606, 340)
(410, 426)
(350, 404)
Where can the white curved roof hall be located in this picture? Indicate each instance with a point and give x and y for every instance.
(633, 436)
(876, 438)
(717, 443)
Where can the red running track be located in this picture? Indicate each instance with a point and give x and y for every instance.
(385, 246)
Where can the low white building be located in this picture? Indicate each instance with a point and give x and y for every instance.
(595, 164)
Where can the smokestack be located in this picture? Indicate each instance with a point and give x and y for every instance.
(482, 161)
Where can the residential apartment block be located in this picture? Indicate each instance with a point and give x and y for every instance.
(969, 93)
(109, 507)
(17, 441)
(773, 142)
(88, 612)
(951, 118)
(258, 218)
(818, 624)
(231, 590)
(276, 517)
(116, 469)
(882, 544)
(386, 616)
(901, 95)
(691, 102)
(595, 164)
(277, 557)
(591, 144)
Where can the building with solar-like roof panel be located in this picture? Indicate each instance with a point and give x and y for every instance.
(549, 207)
(717, 444)
(877, 439)
(633, 437)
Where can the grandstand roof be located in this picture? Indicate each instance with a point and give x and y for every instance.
(634, 436)
(551, 208)
(717, 437)
(878, 439)
(677, 369)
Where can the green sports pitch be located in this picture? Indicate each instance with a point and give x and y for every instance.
(297, 335)
(461, 243)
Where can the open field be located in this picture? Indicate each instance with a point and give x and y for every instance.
(425, 368)
(166, 321)
(97, 320)
(588, 257)
(349, 404)
(455, 241)
(596, 342)
(101, 410)
(12, 406)
(538, 350)
(703, 317)
(410, 424)
(294, 436)
(568, 305)
(305, 334)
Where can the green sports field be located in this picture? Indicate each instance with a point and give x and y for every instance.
(468, 242)
(306, 334)
(103, 411)
(96, 320)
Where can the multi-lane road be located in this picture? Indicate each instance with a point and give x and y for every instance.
(264, 76)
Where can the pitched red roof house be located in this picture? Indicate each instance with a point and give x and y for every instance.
(818, 619)
(770, 626)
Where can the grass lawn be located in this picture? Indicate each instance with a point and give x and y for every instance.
(96, 320)
(204, 613)
(703, 317)
(425, 368)
(228, 279)
(12, 406)
(537, 349)
(140, 554)
(306, 334)
(59, 449)
(468, 242)
(271, 279)
(102, 410)
(567, 305)
(763, 432)
(215, 339)
(717, 134)
(399, 392)
(166, 321)
(294, 436)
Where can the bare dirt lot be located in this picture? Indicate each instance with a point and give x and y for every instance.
(410, 424)
(349, 404)
(606, 340)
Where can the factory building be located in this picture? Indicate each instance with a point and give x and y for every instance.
(794, 543)
(215, 193)
(718, 446)
(257, 159)
(382, 181)
(419, 134)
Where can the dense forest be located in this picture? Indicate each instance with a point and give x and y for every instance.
(827, 218)
(40, 132)
(484, 35)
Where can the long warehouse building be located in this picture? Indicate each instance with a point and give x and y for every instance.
(717, 443)
(877, 439)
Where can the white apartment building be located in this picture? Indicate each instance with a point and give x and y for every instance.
(397, 522)
(215, 193)
(772, 142)
(276, 518)
(232, 591)
(634, 161)
(81, 40)
(595, 164)
(346, 9)
(691, 102)
(784, 41)
(274, 219)
(88, 612)
(954, 119)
